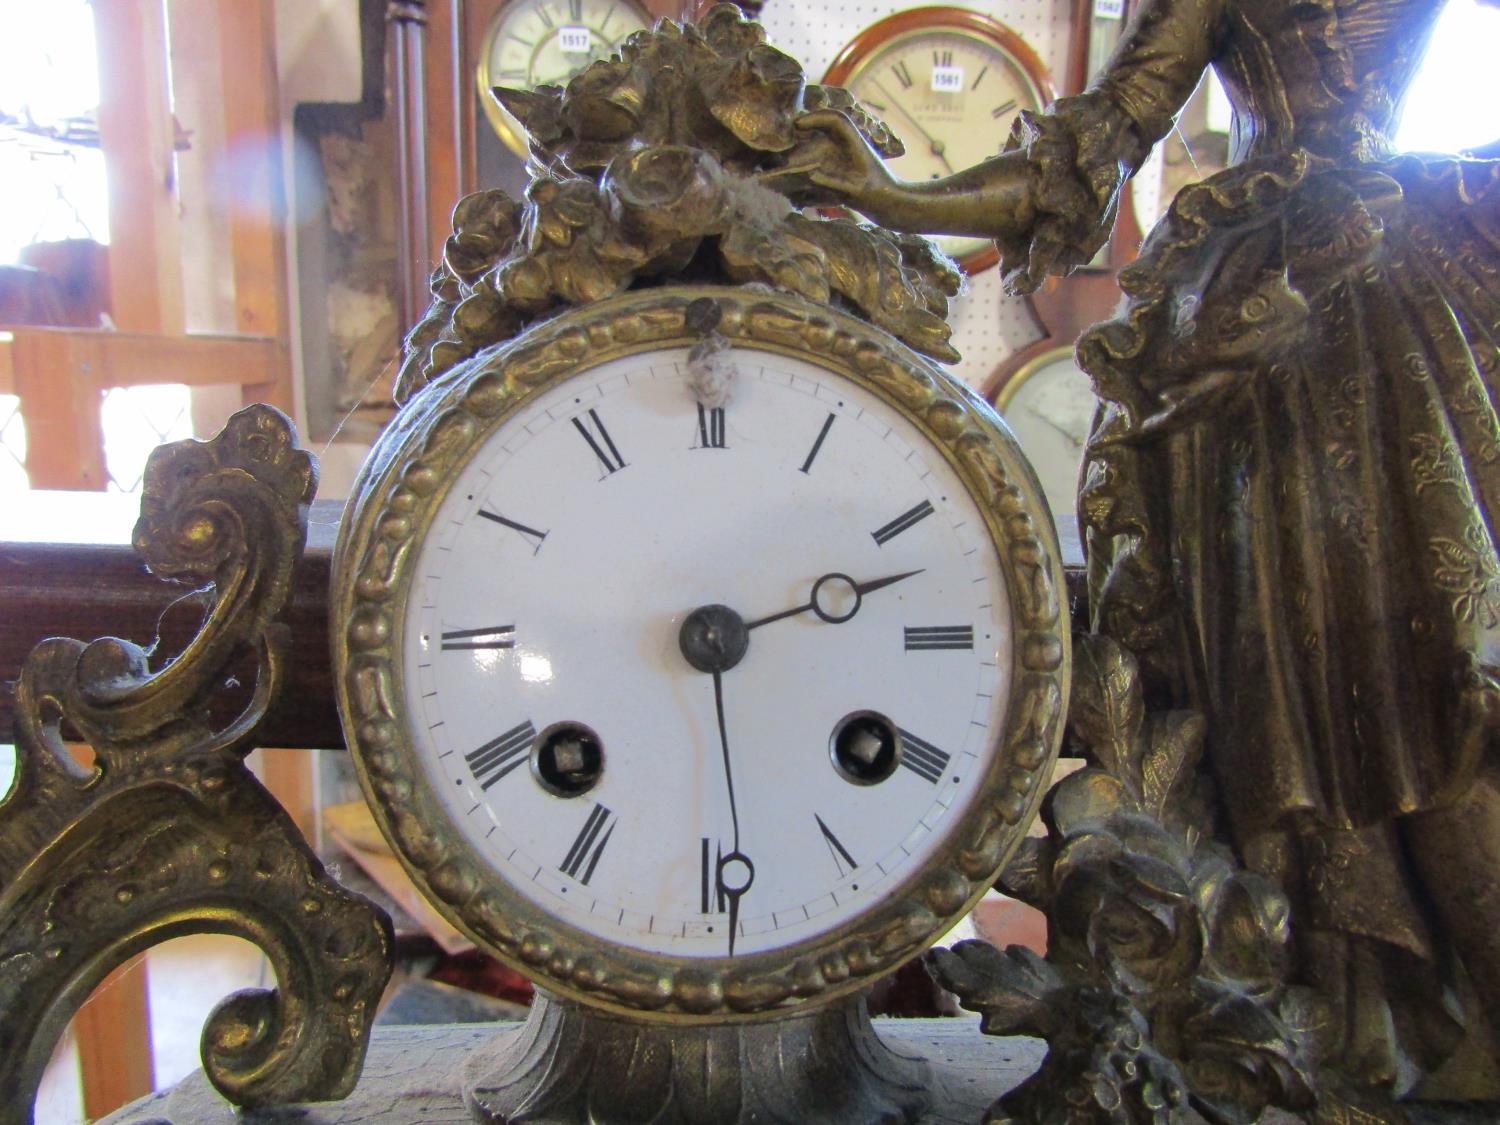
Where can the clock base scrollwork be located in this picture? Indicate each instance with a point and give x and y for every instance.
(570, 1063)
(167, 833)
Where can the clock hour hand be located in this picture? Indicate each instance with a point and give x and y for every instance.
(834, 584)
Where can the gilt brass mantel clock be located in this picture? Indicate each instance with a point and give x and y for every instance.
(694, 710)
(700, 644)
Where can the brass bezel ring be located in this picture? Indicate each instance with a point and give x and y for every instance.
(402, 486)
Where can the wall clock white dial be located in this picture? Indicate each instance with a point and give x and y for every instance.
(1049, 404)
(693, 708)
(532, 43)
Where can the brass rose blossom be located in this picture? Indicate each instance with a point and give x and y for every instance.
(680, 154)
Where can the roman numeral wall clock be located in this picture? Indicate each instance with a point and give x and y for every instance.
(531, 43)
(949, 81)
(701, 645)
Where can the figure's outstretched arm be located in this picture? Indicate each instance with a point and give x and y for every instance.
(1050, 199)
(989, 199)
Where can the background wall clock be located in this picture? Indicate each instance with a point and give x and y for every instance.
(949, 82)
(1049, 405)
(530, 43)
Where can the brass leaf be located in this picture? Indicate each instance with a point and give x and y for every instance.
(1106, 712)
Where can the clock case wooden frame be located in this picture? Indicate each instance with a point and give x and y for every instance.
(404, 482)
(962, 21)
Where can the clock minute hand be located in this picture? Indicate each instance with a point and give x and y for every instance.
(713, 639)
(735, 872)
(860, 589)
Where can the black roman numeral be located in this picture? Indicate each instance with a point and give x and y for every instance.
(985, 69)
(818, 444)
(493, 637)
(903, 75)
(584, 855)
(926, 638)
(909, 518)
(575, 10)
(530, 534)
(546, 17)
(609, 456)
(712, 901)
(499, 756)
(1006, 107)
(942, 58)
(922, 758)
(841, 857)
(710, 427)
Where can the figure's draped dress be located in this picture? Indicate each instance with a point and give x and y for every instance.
(1293, 485)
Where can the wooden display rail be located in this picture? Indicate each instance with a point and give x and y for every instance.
(51, 584)
(101, 588)
(132, 359)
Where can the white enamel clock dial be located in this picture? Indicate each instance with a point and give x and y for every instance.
(949, 82)
(555, 704)
(534, 43)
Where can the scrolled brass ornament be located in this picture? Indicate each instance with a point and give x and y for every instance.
(167, 833)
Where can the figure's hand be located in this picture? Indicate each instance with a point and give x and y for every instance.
(935, 146)
(834, 156)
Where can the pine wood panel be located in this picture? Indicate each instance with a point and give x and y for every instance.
(448, 98)
(137, 137)
(54, 377)
(257, 199)
(114, 1042)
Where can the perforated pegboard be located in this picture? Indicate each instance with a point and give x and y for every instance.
(813, 32)
(987, 325)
